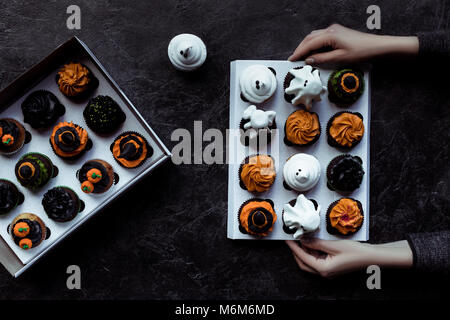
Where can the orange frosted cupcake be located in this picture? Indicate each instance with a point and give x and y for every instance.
(257, 173)
(69, 140)
(302, 128)
(76, 81)
(345, 216)
(130, 150)
(257, 217)
(345, 129)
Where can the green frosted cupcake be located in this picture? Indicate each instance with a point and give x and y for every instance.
(34, 170)
(345, 86)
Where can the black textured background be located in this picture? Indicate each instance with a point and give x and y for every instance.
(172, 243)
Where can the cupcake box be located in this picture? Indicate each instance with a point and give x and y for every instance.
(42, 76)
(278, 150)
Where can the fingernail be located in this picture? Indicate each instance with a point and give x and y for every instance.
(309, 60)
(289, 59)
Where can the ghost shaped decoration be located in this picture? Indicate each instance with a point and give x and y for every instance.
(257, 119)
(305, 87)
(302, 217)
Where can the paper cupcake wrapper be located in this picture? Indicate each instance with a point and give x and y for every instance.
(111, 128)
(246, 161)
(331, 164)
(31, 216)
(115, 178)
(55, 170)
(150, 150)
(286, 229)
(93, 84)
(316, 138)
(333, 142)
(241, 229)
(245, 140)
(21, 197)
(334, 231)
(338, 101)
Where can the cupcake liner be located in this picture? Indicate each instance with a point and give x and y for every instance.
(246, 161)
(150, 150)
(343, 102)
(286, 82)
(93, 84)
(31, 217)
(286, 229)
(330, 139)
(241, 229)
(75, 196)
(334, 231)
(24, 138)
(316, 138)
(112, 127)
(245, 140)
(331, 164)
(20, 196)
(47, 162)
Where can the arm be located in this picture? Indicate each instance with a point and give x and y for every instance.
(431, 251)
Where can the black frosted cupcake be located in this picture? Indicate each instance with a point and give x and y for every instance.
(345, 173)
(97, 176)
(12, 136)
(257, 217)
(76, 81)
(131, 150)
(345, 129)
(257, 126)
(62, 204)
(103, 115)
(41, 109)
(69, 140)
(10, 196)
(344, 217)
(35, 170)
(345, 86)
(28, 231)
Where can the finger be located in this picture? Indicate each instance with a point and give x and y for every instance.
(303, 266)
(309, 44)
(318, 31)
(325, 57)
(306, 258)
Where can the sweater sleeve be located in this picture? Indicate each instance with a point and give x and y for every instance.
(434, 43)
(431, 251)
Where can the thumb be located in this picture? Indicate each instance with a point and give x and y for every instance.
(325, 57)
(327, 246)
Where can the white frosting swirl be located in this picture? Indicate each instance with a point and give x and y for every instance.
(301, 172)
(303, 217)
(187, 52)
(257, 83)
(306, 86)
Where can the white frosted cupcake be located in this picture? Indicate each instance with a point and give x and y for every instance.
(257, 84)
(301, 216)
(301, 172)
(187, 52)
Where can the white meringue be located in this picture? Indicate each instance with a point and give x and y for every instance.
(306, 86)
(303, 217)
(187, 52)
(301, 172)
(257, 83)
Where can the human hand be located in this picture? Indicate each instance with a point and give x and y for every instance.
(330, 258)
(346, 45)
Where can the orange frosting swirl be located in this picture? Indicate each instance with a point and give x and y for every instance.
(346, 216)
(259, 173)
(346, 129)
(73, 79)
(249, 208)
(82, 136)
(302, 127)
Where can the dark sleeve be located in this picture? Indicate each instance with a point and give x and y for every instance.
(434, 43)
(431, 251)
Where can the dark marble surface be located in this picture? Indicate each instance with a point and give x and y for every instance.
(172, 243)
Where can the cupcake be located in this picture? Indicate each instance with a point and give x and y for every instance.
(103, 115)
(301, 172)
(257, 84)
(302, 128)
(345, 86)
(28, 231)
(301, 216)
(41, 109)
(10, 196)
(302, 86)
(345, 129)
(257, 173)
(344, 216)
(76, 81)
(257, 217)
(69, 141)
(62, 204)
(256, 125)
(34, 170)
(96, 176)
(12, 136)
(345, 173)
(130, 149)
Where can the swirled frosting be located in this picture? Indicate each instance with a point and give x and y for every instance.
(346, 129)
(41, 109)
(73, 79)
(61, 204)
(68, 139)
(345, 216)
(306, 86)
(257, 83)
(302, 127)
(130, 149)
(187, 52)
(258, 174)
(303, 217)
(301, 172)
(257, 217)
